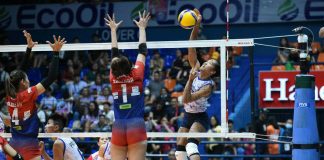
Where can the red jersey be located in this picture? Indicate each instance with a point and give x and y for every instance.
(23, 113)
(127, 92)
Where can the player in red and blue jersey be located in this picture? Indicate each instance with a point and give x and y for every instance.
(128, 133)
(21, 99)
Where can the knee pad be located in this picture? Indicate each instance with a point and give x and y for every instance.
(181, 155)
(192, 149)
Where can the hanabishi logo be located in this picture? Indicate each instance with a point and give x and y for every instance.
(5, 18)
(288, 10)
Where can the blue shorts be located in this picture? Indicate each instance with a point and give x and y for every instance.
(190, 118)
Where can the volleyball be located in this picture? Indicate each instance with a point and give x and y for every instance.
(187, 19)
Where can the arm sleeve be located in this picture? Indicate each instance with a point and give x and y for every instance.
(114, 52)
(24, 65)
(52, 73)
(142, 49)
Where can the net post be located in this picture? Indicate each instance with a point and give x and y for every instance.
(223, 89)
(252, 91)
(227, 20)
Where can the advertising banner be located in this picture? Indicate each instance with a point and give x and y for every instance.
(277, 89)
(164, 13)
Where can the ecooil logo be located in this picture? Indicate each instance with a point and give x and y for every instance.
(288, 10)
(5, 18)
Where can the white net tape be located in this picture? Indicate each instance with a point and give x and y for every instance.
(149, 134)
(133, 45)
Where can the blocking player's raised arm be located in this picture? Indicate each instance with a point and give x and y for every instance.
(142, 24)
(24, 65)
(192, 53)
(54, 66)
(111, 23)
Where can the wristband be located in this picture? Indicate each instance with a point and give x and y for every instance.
(142, 48)
(115, 52)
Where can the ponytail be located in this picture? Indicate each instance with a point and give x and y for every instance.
(10, 88)
(12, 83)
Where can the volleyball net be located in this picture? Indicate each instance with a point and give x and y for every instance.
(222, 44)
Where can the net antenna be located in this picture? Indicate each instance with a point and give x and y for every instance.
(227, 19)
(225, 129)
(156, 45)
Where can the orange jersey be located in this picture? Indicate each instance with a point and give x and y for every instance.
(274, 134)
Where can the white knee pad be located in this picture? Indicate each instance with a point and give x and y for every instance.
(192, 149)
(181, 155)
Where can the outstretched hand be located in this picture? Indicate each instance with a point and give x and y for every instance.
(199, 17)
(30, 42)
(143, 20)
(58, 43)
(111, 22)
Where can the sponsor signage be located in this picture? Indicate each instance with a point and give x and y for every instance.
(164, 13)
(277, 89)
